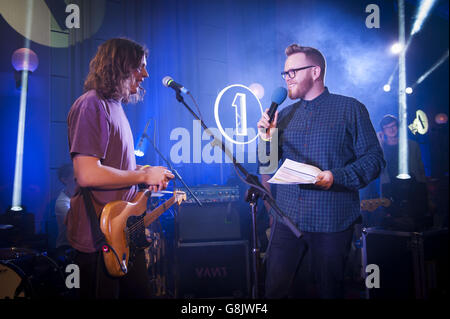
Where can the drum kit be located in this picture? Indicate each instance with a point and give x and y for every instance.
(27, 273)
(30, 274)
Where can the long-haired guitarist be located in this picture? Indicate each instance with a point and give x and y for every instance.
(102, 151)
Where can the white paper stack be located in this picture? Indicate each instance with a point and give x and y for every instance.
(292, 172)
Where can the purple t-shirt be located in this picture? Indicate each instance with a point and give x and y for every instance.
(98, 128)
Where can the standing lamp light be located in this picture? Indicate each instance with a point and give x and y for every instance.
(24, 62)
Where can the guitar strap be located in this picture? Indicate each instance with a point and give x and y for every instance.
(97, 235)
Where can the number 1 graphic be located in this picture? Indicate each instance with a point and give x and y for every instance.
(240, 105)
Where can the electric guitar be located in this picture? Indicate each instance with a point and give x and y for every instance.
(372, 204)
(124, 223)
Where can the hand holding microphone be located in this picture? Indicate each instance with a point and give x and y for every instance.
(268, 120)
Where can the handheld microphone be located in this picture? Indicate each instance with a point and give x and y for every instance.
(278, 97)
(167, 81)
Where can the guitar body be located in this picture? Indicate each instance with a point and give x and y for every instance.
(115, 219)
(123, 224)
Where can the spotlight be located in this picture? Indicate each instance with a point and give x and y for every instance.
(257, 89)
(422, 13)
(408, 90)
(434, 67)
(441, 118)
(396, 48)
(25, 59)
(386, 88)
(139, 153)
(142, 142)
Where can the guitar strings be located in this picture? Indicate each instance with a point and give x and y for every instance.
(133, 228)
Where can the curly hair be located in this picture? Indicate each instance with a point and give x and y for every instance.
(111, 70)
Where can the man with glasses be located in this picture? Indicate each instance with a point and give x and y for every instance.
(334, 133)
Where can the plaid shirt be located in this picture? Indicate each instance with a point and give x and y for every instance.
(334, 133)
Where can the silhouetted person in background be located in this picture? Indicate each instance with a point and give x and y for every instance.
(409, 196)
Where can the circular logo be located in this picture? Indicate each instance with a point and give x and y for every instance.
(235, 109)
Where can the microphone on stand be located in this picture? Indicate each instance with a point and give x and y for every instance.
(140, 147)
(167, 81)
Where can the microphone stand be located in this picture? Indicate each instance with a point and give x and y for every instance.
(256, 190)
(175, 172)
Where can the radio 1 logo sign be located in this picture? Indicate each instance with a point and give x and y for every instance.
(237, 110)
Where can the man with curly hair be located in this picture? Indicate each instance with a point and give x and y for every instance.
(102, 151)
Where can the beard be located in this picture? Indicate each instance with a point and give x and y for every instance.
(301, 89)
(136, 95)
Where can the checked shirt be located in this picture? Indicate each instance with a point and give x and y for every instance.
(332, 132)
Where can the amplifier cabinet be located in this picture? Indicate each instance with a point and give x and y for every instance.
(210, 222)
(411, 264)
(213, 270)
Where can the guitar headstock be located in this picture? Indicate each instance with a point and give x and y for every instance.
(372, 204)
(179, 196)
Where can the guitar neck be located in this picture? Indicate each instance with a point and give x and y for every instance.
(158, 211)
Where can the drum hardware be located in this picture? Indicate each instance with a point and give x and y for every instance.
(29, 274)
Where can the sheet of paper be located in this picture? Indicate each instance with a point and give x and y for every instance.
(292, 172)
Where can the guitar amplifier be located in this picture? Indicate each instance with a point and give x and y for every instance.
(411, 264)
(213, 270)
(212, 194)
(210, 222)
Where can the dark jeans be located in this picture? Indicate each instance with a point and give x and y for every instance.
(311, 266)
(96, 283)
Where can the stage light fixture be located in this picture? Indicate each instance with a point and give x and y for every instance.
(408, 90)
(24, 61)
(142, 142)
(422, 13)
(386, 88)
(403, 167)
(257, 89)
(441, 118)
(396, 48)
(434, 67)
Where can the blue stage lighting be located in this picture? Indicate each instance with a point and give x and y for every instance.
(422, 14)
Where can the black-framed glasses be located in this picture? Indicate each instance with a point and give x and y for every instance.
(292, 72)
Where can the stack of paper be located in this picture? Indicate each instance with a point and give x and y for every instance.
(292, 172)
